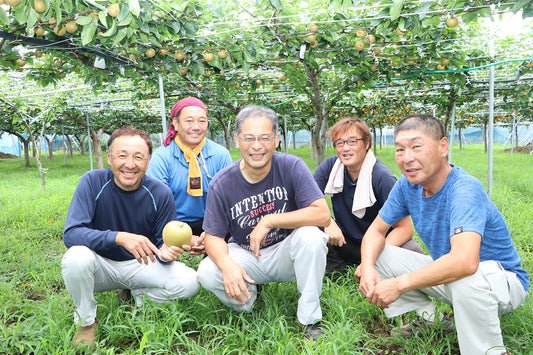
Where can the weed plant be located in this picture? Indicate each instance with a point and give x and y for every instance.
(36, 310)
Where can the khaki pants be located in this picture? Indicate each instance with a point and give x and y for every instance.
(85, 272)
(477, 300)
(301, 257)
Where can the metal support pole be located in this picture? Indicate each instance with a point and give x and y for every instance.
(89, 139)
(491, 117)
(452, 129)
(285, 135)
(162, 104)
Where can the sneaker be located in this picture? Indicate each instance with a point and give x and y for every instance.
(85, 336)
(314, 331)
(419, 324)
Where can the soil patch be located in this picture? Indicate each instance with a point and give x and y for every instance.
(521, 149)
(7, 156)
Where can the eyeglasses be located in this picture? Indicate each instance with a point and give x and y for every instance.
(263, 139)
(339, 143)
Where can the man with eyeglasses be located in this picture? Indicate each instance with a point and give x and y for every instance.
(113, 233)
(270, 205)
(187, 162)
(358, 185)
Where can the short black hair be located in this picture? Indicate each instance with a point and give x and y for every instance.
(130, 131)
(428, 124)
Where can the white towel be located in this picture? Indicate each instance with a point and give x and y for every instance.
(364, 193)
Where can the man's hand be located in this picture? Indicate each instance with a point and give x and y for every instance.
(197, 244)
(138, 245)
(335, 234)
(171, 253)
(235, 279)
(368, 278)
(257, 237)
(386, 292)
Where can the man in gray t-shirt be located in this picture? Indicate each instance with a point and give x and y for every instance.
(271, 206)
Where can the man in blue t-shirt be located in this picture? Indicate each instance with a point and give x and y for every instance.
(187, 162)
(473, 266)
(113, 233)
(270, 205)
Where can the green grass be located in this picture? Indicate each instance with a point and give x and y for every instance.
(36, 311)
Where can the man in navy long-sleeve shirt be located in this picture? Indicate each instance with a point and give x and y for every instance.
(113, 233)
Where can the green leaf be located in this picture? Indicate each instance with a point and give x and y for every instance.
(58, 11)
(84, 20)
(21, 14)
(145, 28)
(110, 32)
(469, 17)
(120, 36)
(434, 21)
(347, 4)
(3, 16)
(247, 57)
(278, 4)
(396, 9)
(175, 25)
(337, 5)
(190, 28)
(422, 10)
(135, 8)
(87, 34)
(124, 12)
(32, 19)
(126, 21)
(401, 25)
(102, 17)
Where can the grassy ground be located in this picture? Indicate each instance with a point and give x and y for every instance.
(36, 311)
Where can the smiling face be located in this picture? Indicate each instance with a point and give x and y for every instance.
(422, 159)
(351, 156)
(191, 125)
(129, 157)
(257, 154)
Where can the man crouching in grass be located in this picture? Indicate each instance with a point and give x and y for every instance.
(271, 206)
(113, 233)
(473, 266)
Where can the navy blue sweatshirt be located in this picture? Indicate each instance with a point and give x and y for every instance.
(100, 209)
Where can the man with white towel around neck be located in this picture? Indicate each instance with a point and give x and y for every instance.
(358, 185)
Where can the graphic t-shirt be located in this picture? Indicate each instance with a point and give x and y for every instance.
(235, 205)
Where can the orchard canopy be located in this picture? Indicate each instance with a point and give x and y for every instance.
(64, 63)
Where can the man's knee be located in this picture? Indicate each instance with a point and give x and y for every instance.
(206, 274)
(310, 239)
(186, 287)
(78, 259)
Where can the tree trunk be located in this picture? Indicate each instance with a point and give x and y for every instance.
(380, 137)
(375, 138)
(69, 146)
(319, 140)
(50, 143)
(460, 139)
(227, 134)
(294, 140)
(98, 147)
(26, 143)
(449, 110)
